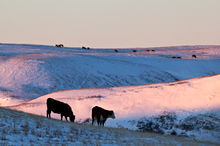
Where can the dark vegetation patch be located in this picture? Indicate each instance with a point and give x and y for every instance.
(89, 97)
(169, 123)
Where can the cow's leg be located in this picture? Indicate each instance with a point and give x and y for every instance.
(93, 119)
(61, 117)
(66, 118)
(103, 122)
(98, 120)
(48, 113)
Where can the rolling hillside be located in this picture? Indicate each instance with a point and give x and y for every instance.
(168, 105)
(30, 71)
(149, 89)
(17, 128)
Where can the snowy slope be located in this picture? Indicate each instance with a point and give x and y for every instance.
(195, 101)
(18, 128)
(118, 81)
(30, 71)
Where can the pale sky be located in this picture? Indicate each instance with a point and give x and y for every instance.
(110, 23)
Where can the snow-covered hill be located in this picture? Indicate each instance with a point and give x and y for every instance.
(30, 71)
(18, 128)
(189, 107)
(146, 88)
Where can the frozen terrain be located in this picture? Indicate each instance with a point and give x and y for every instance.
(30, 71)
(18, 128)
(186, 108)
(150, 90)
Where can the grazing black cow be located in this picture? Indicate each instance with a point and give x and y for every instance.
(116, 50)
(100, 115)
(176, 57)
(193, 56)
(134, 50)
(86, 48)
(60, 108)
(59, 45)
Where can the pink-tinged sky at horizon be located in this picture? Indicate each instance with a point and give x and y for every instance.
(110, 23)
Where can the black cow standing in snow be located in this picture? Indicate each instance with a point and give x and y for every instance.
(60, 108)
(193, 56)
(100, 115)
(59, 45)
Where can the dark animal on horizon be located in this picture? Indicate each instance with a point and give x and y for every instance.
(60, 108)
(116, 50)
(134, 50)
(59, 45)
(86, 48)
(176, 57)
(100, 115)
(193, 56)
(153, 50)
(147, 50)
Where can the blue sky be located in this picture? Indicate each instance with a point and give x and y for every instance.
(110, 23)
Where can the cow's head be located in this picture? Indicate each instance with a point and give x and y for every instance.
(112, 115)
(72, 118)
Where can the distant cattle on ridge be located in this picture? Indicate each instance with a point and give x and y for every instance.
(194, 56)
(134, 50)
(100, 115)
(59, 45)
(86, 48)
(116, 50)
(59, 107)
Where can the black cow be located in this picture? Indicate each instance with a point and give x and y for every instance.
(193, 56)
(86, 48)
(59, 45)
(100, 115)
(60, 108)
(116, 50)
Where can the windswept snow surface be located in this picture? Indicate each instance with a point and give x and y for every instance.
(30, 71)
(188, 108)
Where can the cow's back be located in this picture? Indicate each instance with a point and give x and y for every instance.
(97, 111)
(55, 106)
